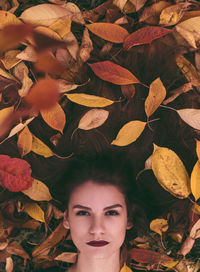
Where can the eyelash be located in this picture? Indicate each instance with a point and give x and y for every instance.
(108, 213)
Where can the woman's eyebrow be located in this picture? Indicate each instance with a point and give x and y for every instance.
(113, 206)
(81, 207)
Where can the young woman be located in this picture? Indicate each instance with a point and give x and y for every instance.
(99, 196)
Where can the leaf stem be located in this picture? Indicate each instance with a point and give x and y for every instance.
(166, 107)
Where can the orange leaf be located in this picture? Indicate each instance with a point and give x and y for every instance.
(110, 32)
(111, 72)
(145, 35)
(44, 94)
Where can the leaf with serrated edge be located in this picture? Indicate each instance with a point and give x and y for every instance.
(109, 32)
(34, 211)
(40, 148)
(38, 191)
(129, 133)
(157, 93)
(170, 172)
(24, 142)
(89, 100)
(159, 225)
(93, 118)
(191, 117)
(54, 117)
(194, 181)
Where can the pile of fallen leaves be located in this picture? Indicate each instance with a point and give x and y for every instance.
(76, 80)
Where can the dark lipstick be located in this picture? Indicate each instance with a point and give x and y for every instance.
(98, 243)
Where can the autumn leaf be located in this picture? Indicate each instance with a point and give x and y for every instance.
(129, 133)
(187, 35)
(192, 25)
(93, 119)
(38, 191)
(61, 26)
(68, 257)
(40, 148)
(16, 249)
(9, 264)
(138, 4)
(8, 18)
(194, 181)
(157, 93)
(75, 11)
(24, 142)
(191, 117)
(54, 117)
(170, 172)
(128, 91)
(34, 211)
(86, 46)
(175, 93)
(111, 72)
(198, 149)
(109, 32)
(159, 225)
(145, 35)
(10, 59)
(89, 100)
(125, 268)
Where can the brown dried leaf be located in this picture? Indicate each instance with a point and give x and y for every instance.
(10, 59)
(93, 119)
(75, 11)
(86, 46)
(119, 3)
(28, 54)
(138, 3)
(175, 93)
(128, 91)
(21, 72)
(24, 142)
(72, 44)
(195, 231)
(187, 246)
(17, 249)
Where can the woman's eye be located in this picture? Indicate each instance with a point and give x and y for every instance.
(82, 213)
(112, 212)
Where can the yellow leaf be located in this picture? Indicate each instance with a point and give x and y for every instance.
(125, 268)
(159, 225)
(61, 26)
(4, 114)
(194, 181)
(34, 211)
(9, 60)
(188, 70)
(38, 191)
(129, 133)
(157, 93)
(40, 148)
(171, 264)
(89, 100)
(196, 209)
(172, 14)
(198, 149)
(54, 117)
(8, 18)
(170, 172)
(93, 118)
(24, 142)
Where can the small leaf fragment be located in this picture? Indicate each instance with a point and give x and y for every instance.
(194, 181)
(24, 142)
(89, 100)
(198, 149)
(157, 93)
(38, 191)
(34, 211)
(40, 148)
(125, 268)
(159, 225)
(129, 133)
(170, 172)
(68, 257)
(93, 119)
(191, 117)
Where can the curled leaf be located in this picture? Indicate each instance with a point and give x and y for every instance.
(93, 118)
(129, 133)
(159, 225)
(38, 191)
(170, 172)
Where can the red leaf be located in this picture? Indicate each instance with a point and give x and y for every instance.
(15, 174)
(145, 35)
(109, 71)
(147, 256)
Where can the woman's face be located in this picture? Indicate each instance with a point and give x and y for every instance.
(97, 218)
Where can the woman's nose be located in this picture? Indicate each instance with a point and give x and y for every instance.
(97, 225)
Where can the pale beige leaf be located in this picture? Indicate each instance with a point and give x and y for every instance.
(65, 86)
(93, 118)
(195, 181)
(38, 191)
(187, 246)
(119, 3)
(191, 117)
(175, 93)
(19, 127)
(68, 257)
(72, 44)
(187, 35)
(138, 3)
(129, 133)
(54, 117)
(75, 11)
(8, 18)
(198, 149)
(65, 58)
(195, 230)
(10, 60)
(61, 26)
(192, 25)
(6, 75)
(24, 142)
(188, 70)
(40, 148)
(44, 14)
(34, 211)
(21, 72)
(157, 93)
(9, 265)
(172, 14)
(121, 21)
(3, 245)
(86, 46)
(159, 225)
(28, 54)
(170, 172)
(89, 100)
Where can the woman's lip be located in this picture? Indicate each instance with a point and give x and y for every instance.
(98, 243)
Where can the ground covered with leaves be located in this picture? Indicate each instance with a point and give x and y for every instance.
(81, 77)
